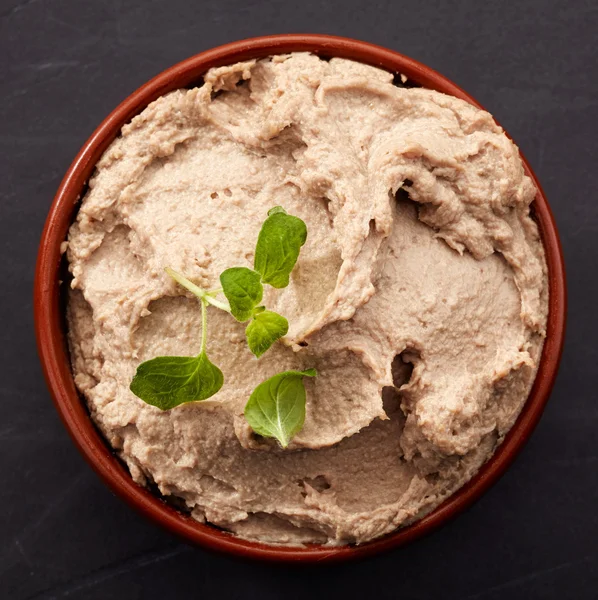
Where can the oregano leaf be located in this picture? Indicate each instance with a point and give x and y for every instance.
(264, 329)
(168, 381)
(243, 290)
(276, 408)
(278, 246)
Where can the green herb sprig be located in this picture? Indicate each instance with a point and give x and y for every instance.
(276, 408)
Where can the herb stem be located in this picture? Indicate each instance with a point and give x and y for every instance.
(196, 290)
(217, 303)
(182, 280)
(204, 325)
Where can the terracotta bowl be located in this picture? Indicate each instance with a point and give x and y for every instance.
(50, 322)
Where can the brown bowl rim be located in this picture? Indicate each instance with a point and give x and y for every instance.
(49, 321)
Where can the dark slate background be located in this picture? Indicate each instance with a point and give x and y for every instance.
(64, 64)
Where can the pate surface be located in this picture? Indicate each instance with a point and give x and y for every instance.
(420, 296)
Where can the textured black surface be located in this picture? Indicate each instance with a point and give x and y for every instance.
(64, 65)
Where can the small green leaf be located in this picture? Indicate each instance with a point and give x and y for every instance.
(278, 246)
(167, 381)
(276, 408)
(264, 329)
(243, 290)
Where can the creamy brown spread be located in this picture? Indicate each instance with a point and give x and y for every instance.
(420, 296)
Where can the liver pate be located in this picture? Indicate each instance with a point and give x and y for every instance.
(420, 296)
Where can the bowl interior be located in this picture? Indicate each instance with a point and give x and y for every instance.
(50, 322)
